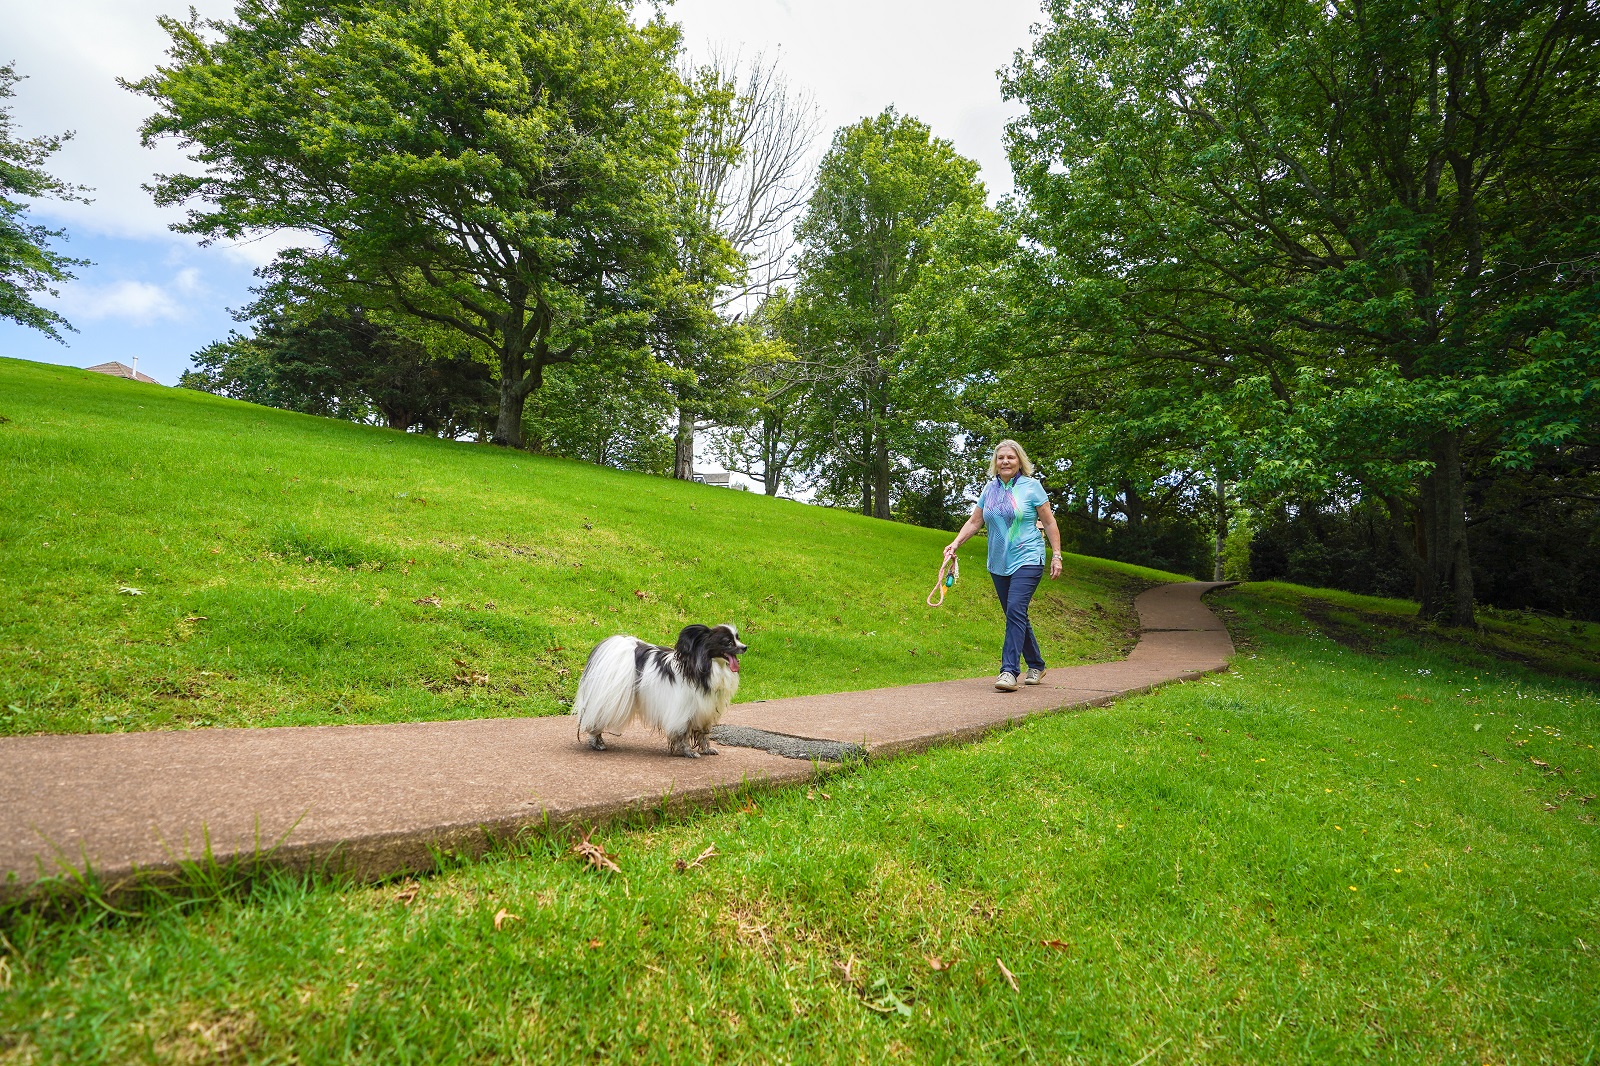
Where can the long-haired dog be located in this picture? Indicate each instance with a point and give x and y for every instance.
(680, 691)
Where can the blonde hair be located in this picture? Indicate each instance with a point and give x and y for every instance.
(1022, 457)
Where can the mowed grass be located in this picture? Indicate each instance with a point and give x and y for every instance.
(173, 559)
(1327, 855)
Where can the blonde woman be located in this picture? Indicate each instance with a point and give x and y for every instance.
(1009, 506)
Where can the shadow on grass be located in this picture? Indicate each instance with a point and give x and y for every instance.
(1542, 644)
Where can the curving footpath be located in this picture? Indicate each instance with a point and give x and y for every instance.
(377, 800)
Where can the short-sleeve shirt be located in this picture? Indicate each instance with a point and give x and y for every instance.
(1009, 511)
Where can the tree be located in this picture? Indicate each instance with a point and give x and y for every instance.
(776, 391)
(863, 239)
(509, 155)
(739, 183)
(27, 263)
(1347, 238)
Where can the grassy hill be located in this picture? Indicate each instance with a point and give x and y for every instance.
(174, 559)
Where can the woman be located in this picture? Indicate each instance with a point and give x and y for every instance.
(1009, 504)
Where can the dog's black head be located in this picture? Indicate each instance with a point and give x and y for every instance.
(699, 643)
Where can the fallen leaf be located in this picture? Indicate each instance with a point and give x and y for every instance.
(595, 854)
(502, 916)
(1539, 763)
(699, 860)
(937, 964)
(128, 591)
(1466, 849)
(216, 551)
(1057, 944)
(428, 601)
(408, 892)
(596, 945)
(641, 593)
(197, 618)
(1011, 978)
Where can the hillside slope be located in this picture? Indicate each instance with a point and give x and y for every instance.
(294, 570)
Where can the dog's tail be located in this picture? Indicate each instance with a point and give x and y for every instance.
(605, 697)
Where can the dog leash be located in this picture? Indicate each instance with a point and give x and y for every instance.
(949, 574)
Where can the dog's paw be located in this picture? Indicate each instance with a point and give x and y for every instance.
(597, 743)
(709, 750)
(690, 753)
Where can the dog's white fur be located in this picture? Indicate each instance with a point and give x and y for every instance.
(662, 687)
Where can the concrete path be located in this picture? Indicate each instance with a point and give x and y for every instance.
(374, 799)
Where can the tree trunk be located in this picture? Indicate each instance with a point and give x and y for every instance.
(1434, 540)
(683, 457)
(518, 378)
(772, 463)
(880, 478)
(1222, 528)
(1447, 592)
(868, 442)
(1132, 506)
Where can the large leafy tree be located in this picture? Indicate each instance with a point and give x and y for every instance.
(494, 166)
(28, 264)
(864, 237)
(1346, 240)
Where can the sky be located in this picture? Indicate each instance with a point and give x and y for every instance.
(156, 296)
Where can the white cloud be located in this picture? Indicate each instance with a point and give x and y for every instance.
(138, 303)
(71, 54)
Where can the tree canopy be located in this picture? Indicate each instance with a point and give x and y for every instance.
(498, 167)
(1334, 244)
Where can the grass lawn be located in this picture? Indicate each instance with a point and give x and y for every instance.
(173, 559)
(1380, 850)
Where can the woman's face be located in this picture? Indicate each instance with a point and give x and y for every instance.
(1006, 463)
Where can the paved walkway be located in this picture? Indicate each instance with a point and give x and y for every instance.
(374, 799)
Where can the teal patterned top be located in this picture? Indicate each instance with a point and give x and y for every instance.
(1009, 511)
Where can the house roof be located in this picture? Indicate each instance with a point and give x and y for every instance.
(116, 369)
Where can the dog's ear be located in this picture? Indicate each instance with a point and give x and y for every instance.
(692, 638)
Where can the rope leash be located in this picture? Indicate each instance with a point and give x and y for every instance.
(949, 574)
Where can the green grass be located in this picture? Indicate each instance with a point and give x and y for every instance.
(1327, 855)
(295, 570)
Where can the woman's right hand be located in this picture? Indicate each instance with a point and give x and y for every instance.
(950, 550)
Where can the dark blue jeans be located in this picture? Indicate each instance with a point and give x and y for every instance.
(1016, 592)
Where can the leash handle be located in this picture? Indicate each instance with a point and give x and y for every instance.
(949, 574)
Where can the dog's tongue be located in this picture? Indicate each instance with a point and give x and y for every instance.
(733, 663)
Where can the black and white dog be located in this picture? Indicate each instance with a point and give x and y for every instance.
(681, 691)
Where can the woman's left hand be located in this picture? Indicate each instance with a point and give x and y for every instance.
(1055, 568)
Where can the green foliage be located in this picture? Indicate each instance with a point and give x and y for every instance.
(27, 263)
(496, 167)
(864, 239)
(1325, 248)
(1306, 860)
(346, 365)
(610, 420)
(296, 570)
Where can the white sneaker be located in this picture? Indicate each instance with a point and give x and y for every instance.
(1033, 677)
(1006, 682)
